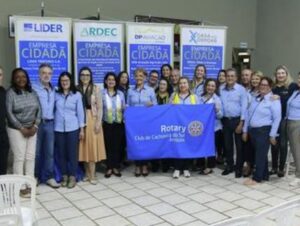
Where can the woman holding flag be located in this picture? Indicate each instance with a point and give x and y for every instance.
(183, 96)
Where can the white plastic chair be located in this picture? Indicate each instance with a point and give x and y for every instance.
(239, 221)
(10, 203)
(281, 215)
(9, 220)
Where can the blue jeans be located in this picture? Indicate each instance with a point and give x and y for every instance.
(260, 140)
(67, 151)
(44, 159)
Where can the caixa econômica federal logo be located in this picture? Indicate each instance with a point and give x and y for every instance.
(197, 37)
(43, 27)
(195, 128)
(98, 32)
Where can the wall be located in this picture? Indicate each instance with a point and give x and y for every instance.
(238, 15)
(278, 35)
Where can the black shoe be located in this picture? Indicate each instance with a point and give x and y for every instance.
(272, 172)
(238, 174)
(280, 173)
(227, 171)
(108, 175)
(117, 173)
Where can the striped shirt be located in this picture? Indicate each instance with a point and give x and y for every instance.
(23, 109)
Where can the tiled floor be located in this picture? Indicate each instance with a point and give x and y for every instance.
(159, 200)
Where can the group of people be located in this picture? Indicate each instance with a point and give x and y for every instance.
(85, 124)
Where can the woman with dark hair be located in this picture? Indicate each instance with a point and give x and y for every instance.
(183, 96)
(91, 147)
(166, 71)
(113, 126)
(261, 122)
(283, 87)
(199, 79)
(221, 78)
(123, 83)
(210, 96)
(69, 127)
(162, 97)
(24, 116)
(141, 95)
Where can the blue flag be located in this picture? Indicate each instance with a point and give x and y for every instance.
(170, 131)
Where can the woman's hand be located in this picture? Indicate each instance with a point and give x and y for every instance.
(245, 137)
(81, 134)
(273, 141)
(97, 127)
(149, 104)
(25, 132)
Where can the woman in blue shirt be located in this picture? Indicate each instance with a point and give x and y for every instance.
(199, 79)
(113, 126)
(210, 96)
(141, 95)
(262, 120)
(293, 130)
(183, 96)
(69, 127)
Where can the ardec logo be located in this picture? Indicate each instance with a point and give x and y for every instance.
(40, 27)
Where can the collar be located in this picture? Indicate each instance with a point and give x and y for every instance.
(227, 88)
(135, 87)
(41, 86)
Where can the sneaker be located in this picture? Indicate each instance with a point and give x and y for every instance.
(72, 182)
(85, 179)
(52, 183)
(93, 181)
(295, 182)
(64, 181)
(176, 174)
(186, 173)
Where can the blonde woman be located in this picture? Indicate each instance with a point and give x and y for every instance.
(284, 87)
(91, 148)
(183, 96)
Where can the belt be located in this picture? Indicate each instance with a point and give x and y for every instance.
(47, 120)
(232, 118)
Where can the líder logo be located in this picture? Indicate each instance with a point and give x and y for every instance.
(195, 128)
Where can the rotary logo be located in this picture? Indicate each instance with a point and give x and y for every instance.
(195, 128)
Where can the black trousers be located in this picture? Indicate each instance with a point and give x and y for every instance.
(113, 139)
(219, 140)
(229, 126)
(279, 151)
(4, 147)
(181, 164)
(248, 151)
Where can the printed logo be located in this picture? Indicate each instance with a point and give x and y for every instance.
(195, 128)
(98, 32)
(40, 27)
(196, 37)
(28, 27)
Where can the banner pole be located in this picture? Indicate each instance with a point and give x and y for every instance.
(42, 9)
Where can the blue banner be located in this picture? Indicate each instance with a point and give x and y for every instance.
(210, 56)
(148, 56)
(170, 131)
(34, 53)
(100, 57)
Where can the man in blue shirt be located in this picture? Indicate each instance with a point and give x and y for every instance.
(45, 139)
(234, 101)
